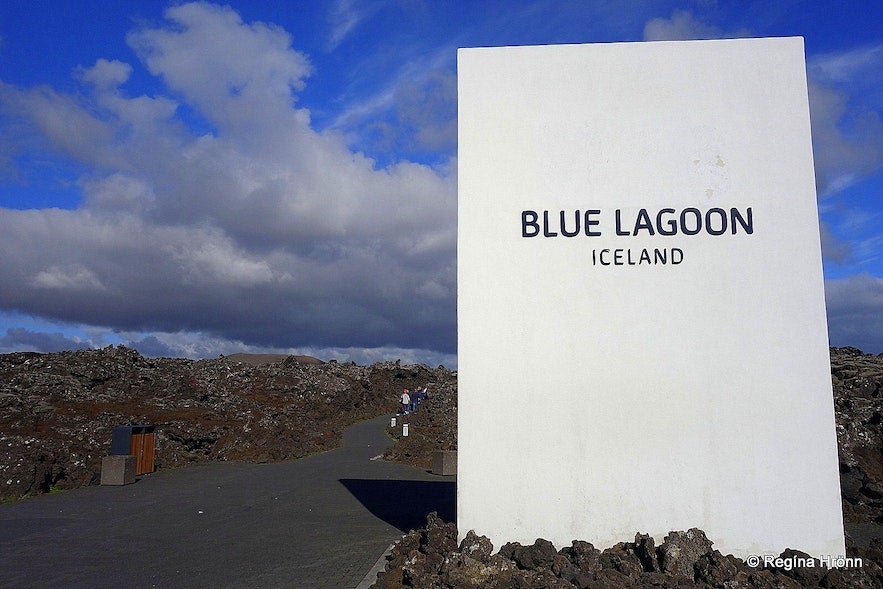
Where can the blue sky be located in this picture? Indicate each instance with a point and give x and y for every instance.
(196, 179)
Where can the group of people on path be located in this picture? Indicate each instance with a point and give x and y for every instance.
(411, 400)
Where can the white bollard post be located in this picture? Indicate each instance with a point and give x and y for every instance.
(404, 430)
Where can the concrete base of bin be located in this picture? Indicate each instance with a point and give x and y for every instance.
(118, 470)
(444, 462)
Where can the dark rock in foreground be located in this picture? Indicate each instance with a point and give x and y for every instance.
(57, 411)
(430, 558)
(858, 408)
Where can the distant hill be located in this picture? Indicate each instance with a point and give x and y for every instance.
(261, 359)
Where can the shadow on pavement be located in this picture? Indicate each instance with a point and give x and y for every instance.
(405, 504)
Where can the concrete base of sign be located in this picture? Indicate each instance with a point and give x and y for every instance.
(444, 462)
(118, 470)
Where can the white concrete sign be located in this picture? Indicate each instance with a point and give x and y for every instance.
(642, 334)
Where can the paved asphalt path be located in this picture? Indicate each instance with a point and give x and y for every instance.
(315, 523)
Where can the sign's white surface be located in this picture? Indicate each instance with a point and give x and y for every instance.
(642, 334)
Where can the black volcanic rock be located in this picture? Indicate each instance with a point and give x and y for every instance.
(858, 408)
(680, 552)
(57, 411)
(540, 554)
(432, 427)
(426, 558)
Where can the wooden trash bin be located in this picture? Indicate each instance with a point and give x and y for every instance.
(138, 441)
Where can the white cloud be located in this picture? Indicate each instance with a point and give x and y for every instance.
(61, 123)
(847, 142)
(106, 73)
(202, 345)
(846, 93)
(868, 251)
(191, 345)
(429, 107)
(833, 249)
(218, 262)
(229, 70)
(420, 96)
(73, 278)
(367, 356)
(265, 231)
(346, 16)
(847, 66)
(682, 25)
(118, 192)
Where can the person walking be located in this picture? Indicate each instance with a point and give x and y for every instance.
(406, 401)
